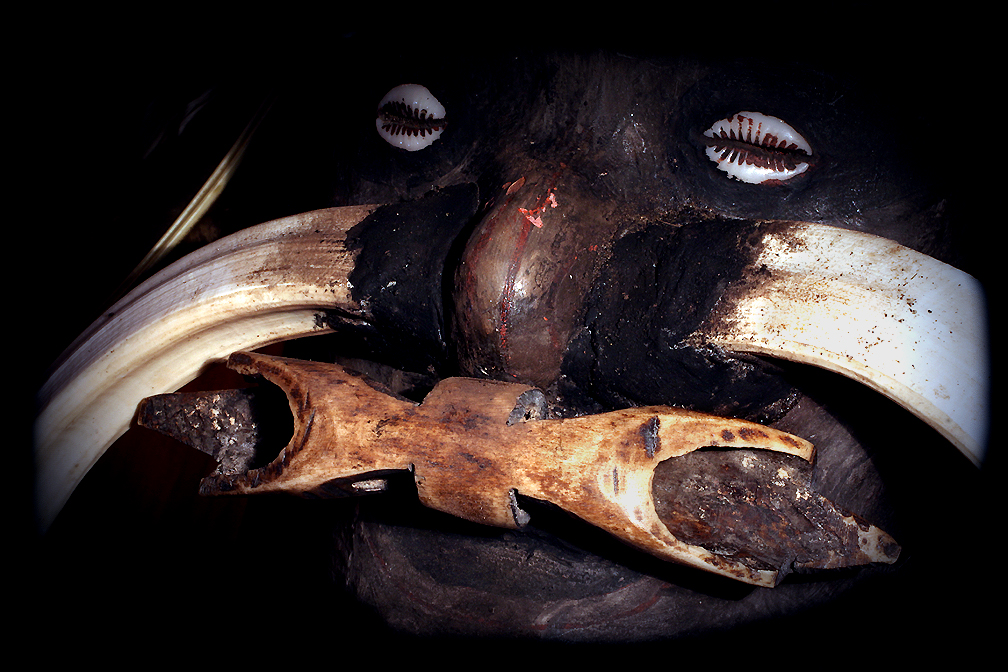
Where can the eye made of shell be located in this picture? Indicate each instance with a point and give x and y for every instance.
(757, 148)
(410, 117)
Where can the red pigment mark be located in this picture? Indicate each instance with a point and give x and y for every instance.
(531, 217)
(480, 245)
(507, 297)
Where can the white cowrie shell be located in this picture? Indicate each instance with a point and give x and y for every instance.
(410, 117)
(757, 148)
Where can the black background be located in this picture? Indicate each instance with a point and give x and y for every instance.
(134, 558)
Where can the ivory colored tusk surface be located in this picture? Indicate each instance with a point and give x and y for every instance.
(259, 286)
(901, 322)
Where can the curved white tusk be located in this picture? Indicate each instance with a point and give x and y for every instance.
(902, 323)
(259, 286)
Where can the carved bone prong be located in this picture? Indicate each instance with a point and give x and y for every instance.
(468, 460)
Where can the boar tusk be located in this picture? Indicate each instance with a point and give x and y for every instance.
(259, 286)
(900, 322)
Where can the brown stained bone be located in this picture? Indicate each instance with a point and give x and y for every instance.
(469, 461)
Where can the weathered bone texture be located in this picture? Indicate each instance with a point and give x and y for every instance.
(472, 451)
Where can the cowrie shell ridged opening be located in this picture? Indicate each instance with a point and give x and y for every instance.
(757, 148)
(410, 117)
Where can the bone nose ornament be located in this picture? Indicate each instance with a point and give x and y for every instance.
(474, 445)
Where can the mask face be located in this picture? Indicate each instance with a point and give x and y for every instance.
(590, 207)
